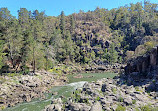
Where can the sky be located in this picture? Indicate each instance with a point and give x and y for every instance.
(54, 7)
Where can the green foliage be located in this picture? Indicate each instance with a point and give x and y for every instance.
(120, 108)
(12, 74)
(2, 107)
(133, 101)
(1, 54)
(98, 98)
(113, 55)
(77, 95)
(72, 21)
(34, 41)
(149, 45)
(62, 23)
(137, 88)
(114, 90)
(2, 80)
(120, 99)
(148, 108)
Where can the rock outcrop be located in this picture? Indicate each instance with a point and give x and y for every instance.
(143, 70)
(24, 88)
(108, 95)
(143, 64)
(104, 68)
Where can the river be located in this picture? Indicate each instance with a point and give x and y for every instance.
(66, 91)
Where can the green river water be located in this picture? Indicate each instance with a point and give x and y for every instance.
(66, 91)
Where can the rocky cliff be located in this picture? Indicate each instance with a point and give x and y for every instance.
(143, 70)
(144, 64)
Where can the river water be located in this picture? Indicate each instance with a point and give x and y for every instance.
(66, 91)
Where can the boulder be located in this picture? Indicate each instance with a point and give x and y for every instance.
(79, 107)
(96, 107)
(26, 97)
(104, 86)
(127, 100)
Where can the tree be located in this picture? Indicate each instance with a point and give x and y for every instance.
(23, 17)
(25, 22)
(113, 55)
(62, 23)
(72, 21)
(11, 34)
(1, 54)
(69, 46)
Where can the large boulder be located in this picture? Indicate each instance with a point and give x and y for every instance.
(53, 107)
(96, 107)
(104, 86)
(79, 107)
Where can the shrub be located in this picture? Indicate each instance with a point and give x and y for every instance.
(133, 101)
(149, 45)
(148, 108)
(77, 95)
(114, 90)
(2, 107)
(140, 50)
(129, 55)
(2, 80)
(137, 88)
(98, 98)
(120, 99)
(120, 108)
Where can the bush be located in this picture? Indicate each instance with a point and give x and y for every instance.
(2, 80)
(3, 107)
(133, 101)
(120, 108)
(148, 108)
(77, 95)
(137, 88)
(120, 99)
(98, 98)
(149, 45)
(129, 55)
(114, 90)
(140, 50)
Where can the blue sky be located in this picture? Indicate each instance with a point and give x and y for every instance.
(54, 7)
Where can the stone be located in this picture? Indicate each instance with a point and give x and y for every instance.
(96, 107)
(57, 107)
(55, 101)
(103, 89)
(55, 93)
(127, 100)
(79, 107)
(26, 97)
(153, 56)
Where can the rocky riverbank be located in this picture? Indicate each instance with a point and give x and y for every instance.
(109, 95)
(93, 68)
(24, 88)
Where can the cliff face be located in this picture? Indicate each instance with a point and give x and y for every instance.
(143, 64)
(143, 71)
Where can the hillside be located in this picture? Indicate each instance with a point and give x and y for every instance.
(36, 41)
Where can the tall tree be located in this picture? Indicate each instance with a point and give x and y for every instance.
(72, 21)
(62, 23)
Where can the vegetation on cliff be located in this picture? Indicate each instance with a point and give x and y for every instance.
(36, 41)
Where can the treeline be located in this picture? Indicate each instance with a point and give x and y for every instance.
(36, 41)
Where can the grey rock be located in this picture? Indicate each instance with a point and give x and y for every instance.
(96, 107)
(79, 107)
(128, 100)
